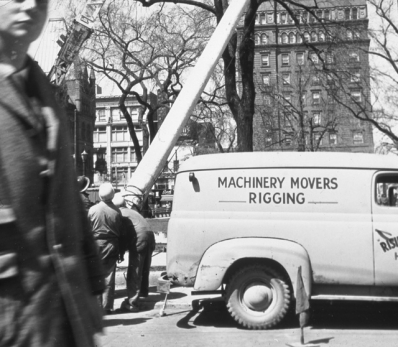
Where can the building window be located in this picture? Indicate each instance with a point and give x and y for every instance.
(317, 140)
(316, 98)
(321, 36)
(356, 96)
(304, 17)
(133, 156)
(329, 79)
(285, 60)
(286, 99)
(354, 57)
(314, 58)
(265, 60)
(283, 18)
(317, 118)
(354, 13)
(264, 39)
(349, 35)
(267, 100)
(357, 138)
(303, 98)
(332, 139)
(266, 79)
(288, 141)
(306, 37)
(326, 15)
(299, 38)
(347, 14)
(292, 38)
(119, 155)
(257, 20)
(99, 134)
(300, 58)
(316, 81)
(357, 35)
(329, 58)
(257, 40)
(101, 115)
(120, 134)
(115, 114)
(314, 37)
(262, 18)
(330, 98)
(355, 76)
(286, 78)
(270, 17)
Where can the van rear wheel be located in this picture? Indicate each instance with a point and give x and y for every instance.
(257, 297)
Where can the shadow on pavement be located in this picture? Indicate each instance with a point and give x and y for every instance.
(149, 303)
(110, 322)
(324, 315)
(354, 315)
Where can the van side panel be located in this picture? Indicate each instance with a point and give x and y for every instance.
(219, 257)
(327, 211)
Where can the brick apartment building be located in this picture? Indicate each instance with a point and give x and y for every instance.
(307, 75)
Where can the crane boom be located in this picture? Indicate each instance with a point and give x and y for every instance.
(155, 158)
(80, 31)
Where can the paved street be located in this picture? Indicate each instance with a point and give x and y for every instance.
(209, 324)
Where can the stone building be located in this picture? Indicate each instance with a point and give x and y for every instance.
(310, 78)
(81, 88)
(114, 154)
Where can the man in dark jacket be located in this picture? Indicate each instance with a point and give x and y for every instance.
(50, 271)
(139, 240)
(106, 224)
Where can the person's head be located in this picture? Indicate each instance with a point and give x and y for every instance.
(118, 200)
(106, 192)
(21, 21)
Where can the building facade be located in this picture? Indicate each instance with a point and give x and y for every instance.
(114, 156)
(311, 77)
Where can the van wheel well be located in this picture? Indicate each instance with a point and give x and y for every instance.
(261, 261)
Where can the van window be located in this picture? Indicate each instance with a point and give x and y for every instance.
(387, 190)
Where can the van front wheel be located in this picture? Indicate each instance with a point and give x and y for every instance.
(257, 297)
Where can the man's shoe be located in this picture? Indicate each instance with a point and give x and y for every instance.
(125, 306)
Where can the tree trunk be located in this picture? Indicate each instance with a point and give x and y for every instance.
(242, 108)
(130, 126)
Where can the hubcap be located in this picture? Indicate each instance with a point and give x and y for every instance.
(257, 297)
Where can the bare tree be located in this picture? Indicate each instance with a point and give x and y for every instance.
(146, 53)
(238, 59)
(291, 116)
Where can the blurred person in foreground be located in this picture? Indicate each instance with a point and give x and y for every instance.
(139, 240)
(107, 227)
(50, 272)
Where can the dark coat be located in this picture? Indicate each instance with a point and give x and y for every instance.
(49, 265)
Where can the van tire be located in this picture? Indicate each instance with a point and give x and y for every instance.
(257, 297)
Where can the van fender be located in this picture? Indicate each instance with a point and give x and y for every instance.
(220, 256)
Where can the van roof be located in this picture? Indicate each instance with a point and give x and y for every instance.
(290, 160)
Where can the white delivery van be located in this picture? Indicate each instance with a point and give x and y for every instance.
(242, 224)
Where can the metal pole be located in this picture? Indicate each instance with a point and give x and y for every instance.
(155, 158)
